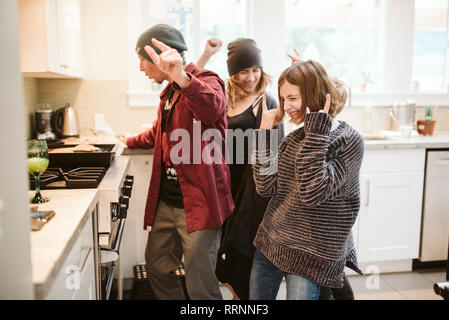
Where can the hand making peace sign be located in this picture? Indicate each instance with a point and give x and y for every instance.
(269, 117)
(296, 58)
(169, 61)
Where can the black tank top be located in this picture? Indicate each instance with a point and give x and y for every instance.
(245, 121)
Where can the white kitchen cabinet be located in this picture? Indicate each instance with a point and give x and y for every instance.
(134, 238)
(50, 38)
(76, 279)
(390, 216)
(389, 221)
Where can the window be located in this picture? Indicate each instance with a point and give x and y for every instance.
(225, 20)
(385, 50)
(429, 46)
(340, 34)
(198, 20)
(177, 13)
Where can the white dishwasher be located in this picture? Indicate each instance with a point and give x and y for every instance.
(435, 221)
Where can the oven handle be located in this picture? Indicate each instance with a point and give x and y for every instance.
(109, 281)
(110, 255)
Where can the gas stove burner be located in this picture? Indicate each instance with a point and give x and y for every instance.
(78, 178)
(49, 176)
(84, 177)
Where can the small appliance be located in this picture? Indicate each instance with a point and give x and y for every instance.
(44, 124)
(403, 113)
(66, 122)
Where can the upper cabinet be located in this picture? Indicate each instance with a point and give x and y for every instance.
(50, 38)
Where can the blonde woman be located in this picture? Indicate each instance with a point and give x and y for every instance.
(246, 100)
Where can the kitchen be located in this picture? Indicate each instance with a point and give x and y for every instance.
(102, 83)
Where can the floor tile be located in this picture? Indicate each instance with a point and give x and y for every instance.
(370, 285)
(420, 295)
(227, 295)
(392, 295)
(282, 293)
(409, 281)
(434, 276)
(393, 286)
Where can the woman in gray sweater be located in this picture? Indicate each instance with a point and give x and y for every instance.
(313, 182)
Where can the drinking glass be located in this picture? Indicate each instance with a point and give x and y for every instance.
(37, 163)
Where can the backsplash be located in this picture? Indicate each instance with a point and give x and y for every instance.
(108, 97)
(90, 97)
(30, 103)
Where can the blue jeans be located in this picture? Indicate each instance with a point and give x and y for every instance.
(266, 278)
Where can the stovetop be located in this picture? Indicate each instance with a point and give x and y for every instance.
(77, 178)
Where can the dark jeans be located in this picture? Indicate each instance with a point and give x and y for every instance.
(344, 293)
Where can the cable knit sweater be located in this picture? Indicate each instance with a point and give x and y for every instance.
(315, 199)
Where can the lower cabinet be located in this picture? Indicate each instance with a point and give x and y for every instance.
(76, 279)
(389, 221)
(390, 216)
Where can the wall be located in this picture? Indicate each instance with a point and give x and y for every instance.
(105, 82)
(102, 90)
(31, 99)
(15, 260)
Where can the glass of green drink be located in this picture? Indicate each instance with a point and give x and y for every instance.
(37, 163)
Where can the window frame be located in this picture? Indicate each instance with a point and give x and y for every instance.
(396, 31)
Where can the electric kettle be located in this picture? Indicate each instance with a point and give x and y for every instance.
(66, 122)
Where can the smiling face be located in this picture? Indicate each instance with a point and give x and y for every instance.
(291, 101)
(249, 79)
(151, 71)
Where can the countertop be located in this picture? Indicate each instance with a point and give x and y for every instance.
(51, 245)
(438, 141)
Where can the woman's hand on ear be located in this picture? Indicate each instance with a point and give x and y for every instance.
(326, 107)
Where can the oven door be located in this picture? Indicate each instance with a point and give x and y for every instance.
(109, 259)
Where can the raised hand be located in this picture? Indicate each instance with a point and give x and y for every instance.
(169, 61)
(296, 58)
(269, 117)
(213, 45)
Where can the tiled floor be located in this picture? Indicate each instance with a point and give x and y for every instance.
(417, 285)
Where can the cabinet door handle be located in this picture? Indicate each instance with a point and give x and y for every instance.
(367, 193)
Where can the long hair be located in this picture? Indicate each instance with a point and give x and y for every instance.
(314, 84)
(234, 88)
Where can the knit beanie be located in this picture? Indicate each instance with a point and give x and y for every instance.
(170, 36)
(243, 53)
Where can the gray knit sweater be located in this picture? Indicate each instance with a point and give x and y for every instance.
(315, 199)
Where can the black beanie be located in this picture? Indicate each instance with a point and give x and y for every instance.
(243, 53)
(170, 36)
